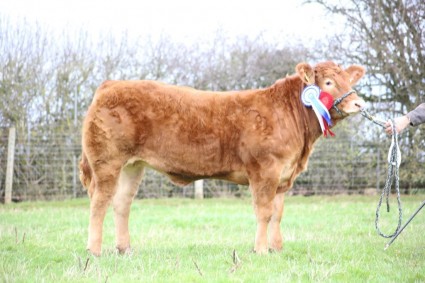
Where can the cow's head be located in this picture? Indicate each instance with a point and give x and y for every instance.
(336, 81)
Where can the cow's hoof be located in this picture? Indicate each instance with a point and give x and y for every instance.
(275, 250)
(261, 251)
(94, 252)
(125, 251)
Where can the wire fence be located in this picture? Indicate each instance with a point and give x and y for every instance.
(46, 168)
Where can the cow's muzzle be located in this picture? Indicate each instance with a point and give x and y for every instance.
(339, 100)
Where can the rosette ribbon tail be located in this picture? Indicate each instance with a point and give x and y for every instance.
(322, 115)
(310, 97)
(327, 130)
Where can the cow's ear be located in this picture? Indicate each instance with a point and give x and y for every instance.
(306, 73)
(356, 73)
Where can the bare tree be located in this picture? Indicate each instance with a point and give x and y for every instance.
(22, 50)
(388, 37)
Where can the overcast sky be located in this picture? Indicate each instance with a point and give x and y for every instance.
(182, 19)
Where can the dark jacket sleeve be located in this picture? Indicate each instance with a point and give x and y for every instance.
(417, 116)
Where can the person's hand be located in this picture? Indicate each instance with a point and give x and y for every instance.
(400, 124)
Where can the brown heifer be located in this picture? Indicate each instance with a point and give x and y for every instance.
(258, 137)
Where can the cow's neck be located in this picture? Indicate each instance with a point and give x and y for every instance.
(286, 96)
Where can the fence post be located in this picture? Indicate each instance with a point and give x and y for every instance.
(9, 168)
(74, 176)
(199, 189)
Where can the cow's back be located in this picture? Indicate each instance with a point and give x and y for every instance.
(176, 130)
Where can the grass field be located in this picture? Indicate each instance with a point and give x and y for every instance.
(327, 239)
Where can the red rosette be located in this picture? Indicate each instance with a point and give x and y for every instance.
(327, 99)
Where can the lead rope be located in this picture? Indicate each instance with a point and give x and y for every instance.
(394, 159)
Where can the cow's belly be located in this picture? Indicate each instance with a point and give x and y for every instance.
(238, 177)
(183, 171)
(234, 177)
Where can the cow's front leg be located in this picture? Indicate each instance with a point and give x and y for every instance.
(263, 207)
(275, 234)
(263, 194)
(264, 179)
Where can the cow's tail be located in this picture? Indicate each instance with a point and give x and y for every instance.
(85, 171)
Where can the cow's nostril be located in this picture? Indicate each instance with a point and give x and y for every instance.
(360, 104)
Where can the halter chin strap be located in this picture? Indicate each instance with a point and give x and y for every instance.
(339, 100)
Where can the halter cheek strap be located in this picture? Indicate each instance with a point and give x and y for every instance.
(339, 100)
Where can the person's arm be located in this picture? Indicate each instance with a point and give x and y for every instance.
(417, 116)
(413, 118)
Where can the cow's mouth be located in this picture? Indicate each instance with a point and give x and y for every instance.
(339, 100)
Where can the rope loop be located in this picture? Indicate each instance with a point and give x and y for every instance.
(394, 159)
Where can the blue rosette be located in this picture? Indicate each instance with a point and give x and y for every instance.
(310, 98)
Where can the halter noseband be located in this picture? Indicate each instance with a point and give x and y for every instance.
(339, 100)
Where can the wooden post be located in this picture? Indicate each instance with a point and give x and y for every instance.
(74, 176)
(199, 189)
(10, 163)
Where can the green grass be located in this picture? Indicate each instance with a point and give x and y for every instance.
(327, 239)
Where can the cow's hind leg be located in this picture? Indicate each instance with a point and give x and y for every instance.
(128, 183)
(275, 234)
(101, 196)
